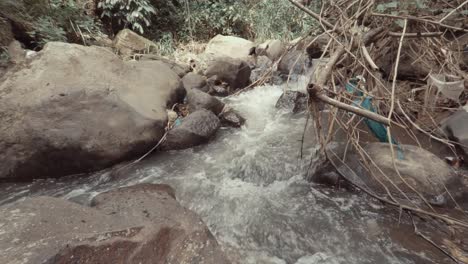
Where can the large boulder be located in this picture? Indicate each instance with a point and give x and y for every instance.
(197, 100)
(178, 68)
(73, 109)
(294, 62)
(235, 72)
(195, 81)
(419, 169)
(229, 46)
(273, 49)
(128, 42)
(196, 128)
(139, 224)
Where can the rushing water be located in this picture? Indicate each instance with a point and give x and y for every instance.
(248, 186)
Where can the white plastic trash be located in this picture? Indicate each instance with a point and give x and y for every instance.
(448, 85)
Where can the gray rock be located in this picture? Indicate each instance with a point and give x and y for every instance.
(127, 42)
(456, 128)
(422, 170)
(74, 109)
(235, 72)
(219, 91)
(196, 128)
(293, 101)
(231, 118)
(262, 66)
(228, 46)
(180, 69)
(125, 226)
(273, 49)
(294, 62)
(195, 81)
(197, 100)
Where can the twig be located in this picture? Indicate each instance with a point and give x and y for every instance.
(445, 141)
(453, 11)
(437, 23)
(368, 58)
(416, 35)
(314, 15)
(417, 232)
(354, 109)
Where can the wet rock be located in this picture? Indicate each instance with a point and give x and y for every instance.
(195, 81)
(456, 129)
(294, 62)
(231, 118)
(217, 87)
(128, 42)
(197, 128)
(314, 49)
(197, 100)
(70, 106)
(422, 171)
(138, 224)
(235, 72)
(294, 101)
(262, 66)
(219, 91)
(229, 46)
(273, 49)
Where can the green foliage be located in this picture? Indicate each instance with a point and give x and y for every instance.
(4, 57)
(257, 19)
(50, 20)
(46, 30)
(279, 19)
(135, 14)
(206, 19)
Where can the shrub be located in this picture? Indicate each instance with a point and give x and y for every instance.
(46, 30)
(135, 14)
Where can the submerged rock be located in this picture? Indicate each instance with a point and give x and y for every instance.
(197, 100)
(196, 128)
(138, 224)
(235, 72)
(74, 109)
(219, 91)
(293, 101)
(231, 118)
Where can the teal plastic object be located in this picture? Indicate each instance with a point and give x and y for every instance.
(378, 129)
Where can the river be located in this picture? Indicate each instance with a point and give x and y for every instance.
(248, 185)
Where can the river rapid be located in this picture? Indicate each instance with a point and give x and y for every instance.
(248, 186)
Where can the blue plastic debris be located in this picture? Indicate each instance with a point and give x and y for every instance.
(378, 129)
(178, 122)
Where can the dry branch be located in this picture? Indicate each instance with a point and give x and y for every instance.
(416, 35)
(423, 20)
